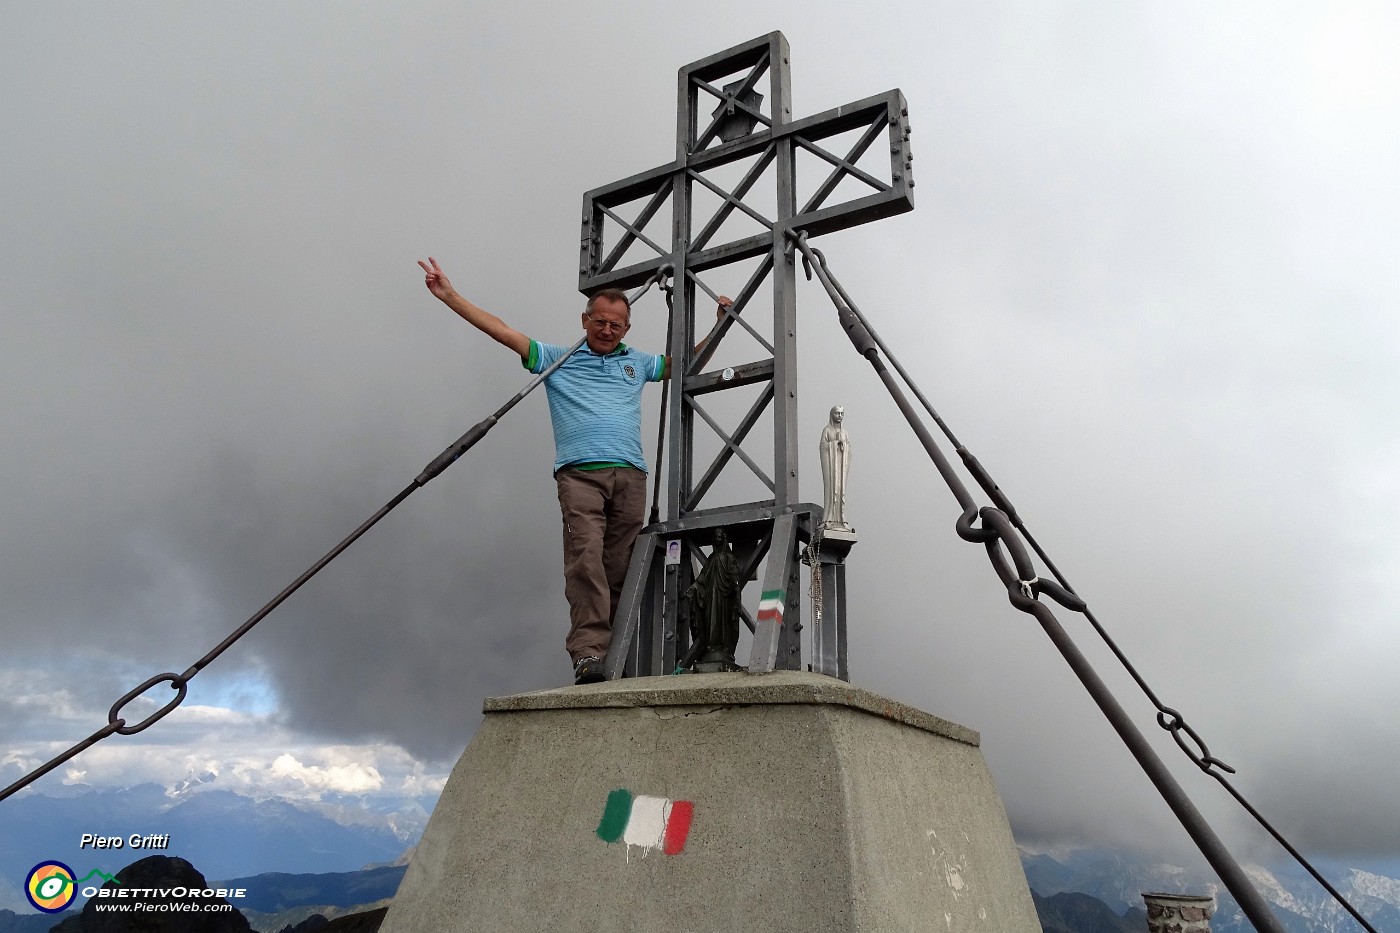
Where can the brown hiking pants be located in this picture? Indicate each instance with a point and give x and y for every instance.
(602, 511)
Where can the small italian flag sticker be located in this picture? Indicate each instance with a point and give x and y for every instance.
(770, 606)
(649, 822)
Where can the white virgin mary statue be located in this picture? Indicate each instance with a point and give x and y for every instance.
(836, 463)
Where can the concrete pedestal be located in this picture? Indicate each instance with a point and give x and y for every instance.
(735, 802)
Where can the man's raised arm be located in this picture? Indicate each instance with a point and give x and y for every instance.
(724, 304)
(484, 321)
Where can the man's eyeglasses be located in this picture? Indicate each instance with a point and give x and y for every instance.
(607, 327)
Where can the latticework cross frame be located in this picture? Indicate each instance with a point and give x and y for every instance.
(747, 136)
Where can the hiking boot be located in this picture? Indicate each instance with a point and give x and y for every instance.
(588, 670)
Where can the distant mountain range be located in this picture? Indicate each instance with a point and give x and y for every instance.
(226, 835)
(278, 900)
(1117, 880)
(346, 855)
(1079, 913)
(274, 901)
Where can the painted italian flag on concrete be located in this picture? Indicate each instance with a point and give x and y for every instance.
(770, 606)
(650, 822)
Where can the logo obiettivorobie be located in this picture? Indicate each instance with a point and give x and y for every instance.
(51, 886)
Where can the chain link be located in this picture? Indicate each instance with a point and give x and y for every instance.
(811, 556)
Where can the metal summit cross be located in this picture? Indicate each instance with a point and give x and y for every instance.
(723, 224)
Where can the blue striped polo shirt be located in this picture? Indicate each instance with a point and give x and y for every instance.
(595, 402)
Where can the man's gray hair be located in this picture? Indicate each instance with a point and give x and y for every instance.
(612, 294)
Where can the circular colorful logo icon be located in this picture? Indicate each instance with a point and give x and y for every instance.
(50, 886)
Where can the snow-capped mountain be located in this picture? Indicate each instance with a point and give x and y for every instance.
(1301, 904)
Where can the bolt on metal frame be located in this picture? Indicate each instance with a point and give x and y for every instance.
(648, 637)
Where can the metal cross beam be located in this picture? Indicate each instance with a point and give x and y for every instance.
(729, 137)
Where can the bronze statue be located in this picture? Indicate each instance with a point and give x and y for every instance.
(714, 610)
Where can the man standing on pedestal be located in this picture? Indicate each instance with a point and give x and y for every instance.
(595, 408)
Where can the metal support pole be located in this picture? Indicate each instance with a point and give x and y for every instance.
(829, 653)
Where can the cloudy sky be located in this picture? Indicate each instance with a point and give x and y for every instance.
(1150, 281)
